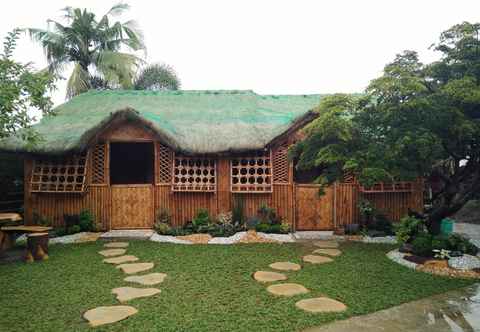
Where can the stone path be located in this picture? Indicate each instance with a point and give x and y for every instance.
(111, 314)
(312, 305)
(267, 276)
(125, 294)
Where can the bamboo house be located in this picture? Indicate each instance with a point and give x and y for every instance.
(124, 155)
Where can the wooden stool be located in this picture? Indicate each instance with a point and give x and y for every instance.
(37, 246)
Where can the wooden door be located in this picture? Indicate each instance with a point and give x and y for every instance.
(132, 206)
(314, 212)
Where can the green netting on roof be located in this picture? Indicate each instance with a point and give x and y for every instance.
(191, 121)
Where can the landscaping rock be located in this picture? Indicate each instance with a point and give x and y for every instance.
(112, 252)
(74, 238)
(107, 315)
(227, 240)
(129, 293)
(321, 304)
(326, 244)
(167, 239)
(135, 267)
(465, 262)
(287, 289)
(196, 238)
(147, 279)
(285, 266)
(266, 276)
(397, 256)
(121, 259)
(128, 234)
(116, 245)
(380, 239)
(329, 252)
(314, 259)
(287, 238)
(254, 237)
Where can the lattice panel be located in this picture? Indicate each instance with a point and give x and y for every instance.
(381, 187)
(252, 174)
(194, 174)
(60, 175)
(280, 164)
(164, 162)
(99, 164)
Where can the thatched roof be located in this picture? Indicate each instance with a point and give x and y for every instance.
(188, 121)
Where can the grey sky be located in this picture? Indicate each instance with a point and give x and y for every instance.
(271, 47)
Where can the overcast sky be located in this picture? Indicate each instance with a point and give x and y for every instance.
(271, 47)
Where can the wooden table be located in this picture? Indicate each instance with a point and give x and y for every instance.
(8, 234)
(9, 217)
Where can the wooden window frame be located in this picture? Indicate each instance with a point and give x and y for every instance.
(194, 186)
(281, 164)
(74, 166)
(99, 165)
(164, 158)
(252, 188)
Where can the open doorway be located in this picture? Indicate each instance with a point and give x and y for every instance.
(131, 163)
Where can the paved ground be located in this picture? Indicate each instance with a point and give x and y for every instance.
(457, 311)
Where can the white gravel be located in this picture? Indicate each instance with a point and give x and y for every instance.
(397, 257)
(129, 233)
(465, 262)
(167, 239)
(380, 239)
(67, 238)
(228, 240)
(314, 235)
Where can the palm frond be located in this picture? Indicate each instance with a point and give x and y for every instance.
(78, 82)
(157, 77)
(118, 9)
(116, 67)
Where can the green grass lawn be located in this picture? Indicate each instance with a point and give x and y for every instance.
(209, 287)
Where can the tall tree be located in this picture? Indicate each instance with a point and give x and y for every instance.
(21, 89)
(157, 77)
(415, 120)
(94, 47)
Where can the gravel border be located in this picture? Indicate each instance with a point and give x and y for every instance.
(167, 239)
(66, 239)
(398, 257)
(380, 239)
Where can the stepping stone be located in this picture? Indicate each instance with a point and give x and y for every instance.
(326, 244)
(285, 266)
(314, 259)
(112, 252)
(329, 252)
(147, 279)
(116, 245)
(265, 276)
(133, 268)
(287, 289)
(121, 259)
(107, 315)
(321, 304)
(129, 293)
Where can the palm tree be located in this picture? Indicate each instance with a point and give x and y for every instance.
(93, 47)
(157, 77)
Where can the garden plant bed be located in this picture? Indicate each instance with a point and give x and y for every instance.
(431, 265)
(208, 288)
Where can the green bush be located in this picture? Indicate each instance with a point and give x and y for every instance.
(262, 227)
(458, 242)
(238, 214)
(422, 245)
(252, 223)
(162, 228)
(60, 231)
(408, 228)
(440, 242)
(163, 216)
(74, 229)
(268, 215)
(381, 224)
(202, 218)
(85, 221)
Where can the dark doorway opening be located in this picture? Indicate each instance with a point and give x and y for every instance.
(131, 163)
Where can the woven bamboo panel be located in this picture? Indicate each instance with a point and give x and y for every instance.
(164, 164)
(280, 164)
(66, 175)
(99, 164)
(252, 174)
(194, 174)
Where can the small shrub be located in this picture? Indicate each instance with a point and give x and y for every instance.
(225, 218)
(41, 221)
(268, 215)
(238, 214)
(74, 229)
(382, 224)
(408, 228)
(458, 242)
(202, 218)
(422, 245)
(262, 227)
(164, 216)
(85, 221)
(60, 231)
(285, 228)
(252, 223)
(162, 228)
(440, 242)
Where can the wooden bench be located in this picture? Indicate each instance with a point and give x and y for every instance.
(8, 234)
